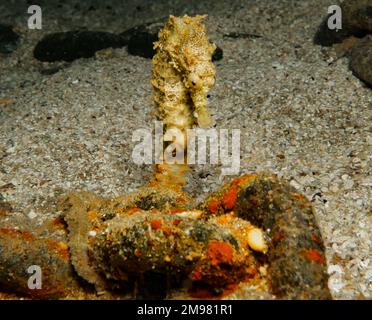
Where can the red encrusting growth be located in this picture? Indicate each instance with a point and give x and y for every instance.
(230, 197)
(176, 222)
(315, 238)
(156, 224)
(220, 252)
(243, 180)
(213, 206)
(315, 255)
(181, 199)
(196, 275)
(137, 252)
(278, 236)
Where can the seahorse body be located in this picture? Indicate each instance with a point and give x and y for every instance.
(183, 73)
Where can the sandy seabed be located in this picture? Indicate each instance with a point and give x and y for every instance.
(302, 114)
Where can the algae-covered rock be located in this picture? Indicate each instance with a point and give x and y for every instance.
(361, 60)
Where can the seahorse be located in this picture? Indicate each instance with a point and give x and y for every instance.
(182, 75)
(183, 72)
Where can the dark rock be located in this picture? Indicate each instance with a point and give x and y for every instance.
(141, 38)
(327, 37)
(217, 54)
(142, 44)
(151, 28)
(361, 60)
(356, 21)
(21, 249)
(72, 45)
(8, 39)
(296, 255)
(357, 15)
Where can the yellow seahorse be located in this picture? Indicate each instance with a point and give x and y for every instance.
(182, 75)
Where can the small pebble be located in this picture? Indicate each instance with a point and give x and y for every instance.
(32, 214)
(256, 240)
(92, 233)
(348, 184)
(334, 268)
